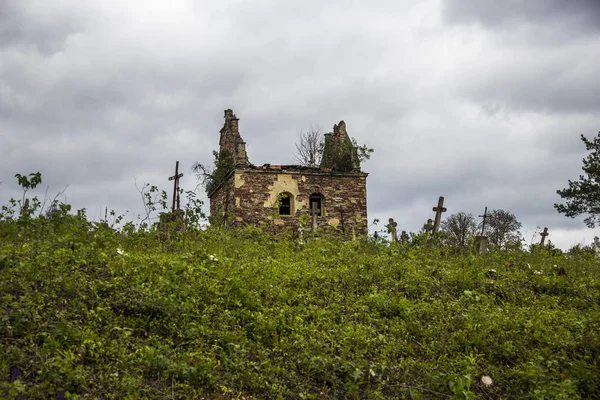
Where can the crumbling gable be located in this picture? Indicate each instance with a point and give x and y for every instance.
(231, 144)
(339, 153)
(287, 197)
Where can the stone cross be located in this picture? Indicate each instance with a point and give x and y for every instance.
(428, 227)
(25, 207)
(438, 214)
(392, 229)
(175, 186)
(404, 237)
(484, 216)
(543, 235)
(314, 211)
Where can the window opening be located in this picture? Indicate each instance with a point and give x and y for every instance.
(285, 204)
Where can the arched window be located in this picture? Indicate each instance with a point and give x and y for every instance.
(285, 204)
(316, 202)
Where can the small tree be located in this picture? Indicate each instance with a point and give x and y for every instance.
(583, 196)
(502, 228)
(460, 228)
(311, 145)
(212, 177)
(309, 149)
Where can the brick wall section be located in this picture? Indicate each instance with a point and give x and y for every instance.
(254, 194)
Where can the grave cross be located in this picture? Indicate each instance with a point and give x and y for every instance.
(404, 237)
(392, 229)
(176, 186)
(314, 211)
(543, 235)
(484, 216)
(428, 227)
(438, 213)
(25, 207)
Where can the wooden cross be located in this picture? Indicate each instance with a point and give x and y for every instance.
(428, 227)
(314, 211)
(175, 186)
(484, 216)
(543, 235)
(438, 213)
(391, 227)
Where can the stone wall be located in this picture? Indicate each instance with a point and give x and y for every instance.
(254, 194)
(222, 202)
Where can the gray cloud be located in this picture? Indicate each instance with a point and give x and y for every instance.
(567, 18)
(481, 105)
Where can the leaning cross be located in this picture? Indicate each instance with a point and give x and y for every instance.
(314, 211)
(484, 216)
(176, 186)
(392, 229)
(543, 235)
(438, 213)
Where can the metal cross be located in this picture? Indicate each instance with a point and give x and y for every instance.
(175, 186)
(484, 216)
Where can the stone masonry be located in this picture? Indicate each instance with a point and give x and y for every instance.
(282, 197)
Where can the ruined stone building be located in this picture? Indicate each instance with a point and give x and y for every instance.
(284, 197)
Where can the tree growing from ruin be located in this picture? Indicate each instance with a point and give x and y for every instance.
(583, 196)
(460, 228)
(502, 228)
(211, 177)
(309, 149)
(312, 148)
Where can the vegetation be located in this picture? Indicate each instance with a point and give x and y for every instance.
(502, 228)
(460, 228)
(212, 177)
(583, 196)
(310, 146)
(91, 311)
(310, 150)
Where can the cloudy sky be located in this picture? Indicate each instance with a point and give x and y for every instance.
(481, 102)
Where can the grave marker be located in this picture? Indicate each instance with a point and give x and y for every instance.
(404, 237)
(175, 186)
(428, 227)
(543, 235)
(392, 229)
(484, 216)
(314, 211)
(438, 213)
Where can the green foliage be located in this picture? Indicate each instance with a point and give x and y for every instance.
(502, 229)
(460, 228)
(583, 196)
(212, 178)
(89, 311)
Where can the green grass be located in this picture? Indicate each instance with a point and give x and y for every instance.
(241, 314)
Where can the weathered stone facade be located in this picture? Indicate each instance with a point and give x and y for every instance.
(281, 197)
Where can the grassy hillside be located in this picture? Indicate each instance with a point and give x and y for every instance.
(89, 312)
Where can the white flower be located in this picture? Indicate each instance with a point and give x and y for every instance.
(529, 265)
(372, 372)
(486, 381)
(212, 258)
(538, 272)
(116, 374)
(121, 252)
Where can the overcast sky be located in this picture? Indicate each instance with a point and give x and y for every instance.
(482, 102)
